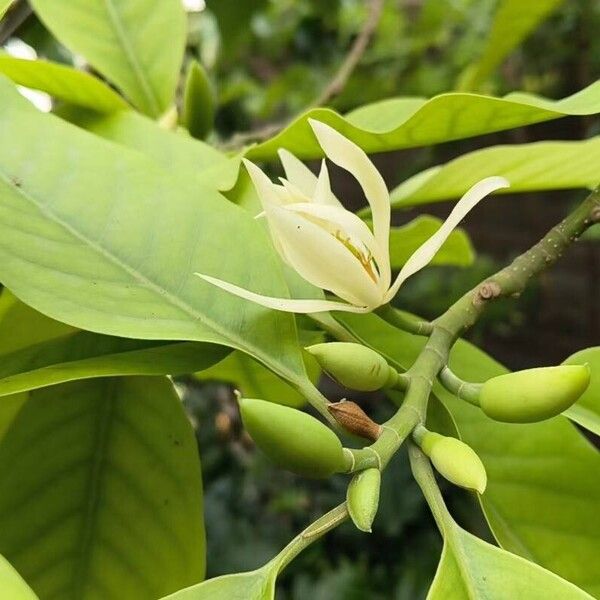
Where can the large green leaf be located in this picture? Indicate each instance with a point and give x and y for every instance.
(84, 355)
(200, 163)
(457, 249)
(12, 586)
(22, 326)
(528, 167)
(254, 585)
(471, 569)
(542, 497)
(586, 411)
(101, 237)
(100, 491)
(408, 122)
(513, 22)
(62, 82)
(136, 44)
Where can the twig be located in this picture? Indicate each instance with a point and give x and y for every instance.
(337, 84)
(332, 89)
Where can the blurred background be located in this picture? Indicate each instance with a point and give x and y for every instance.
(268, 60)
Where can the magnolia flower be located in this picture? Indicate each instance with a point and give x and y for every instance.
(331, 247)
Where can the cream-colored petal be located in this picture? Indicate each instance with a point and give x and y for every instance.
(284, 304)
(347, 226)
(322, 259)
(349, 156)
(294, 193)
(267, 192)
(297, 173)
(423, 255)
(323, 193)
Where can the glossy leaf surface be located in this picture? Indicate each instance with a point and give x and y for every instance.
(100, 491)
(62, 82)
(126, 265)
(471, 569)
(125, 41)
(528, 167)
(409, 122)
(586, 411)
(84, 355)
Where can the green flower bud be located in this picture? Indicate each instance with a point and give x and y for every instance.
(454, 460)
(534, 394)
(362, 498)
(293, 439)
(354, 366)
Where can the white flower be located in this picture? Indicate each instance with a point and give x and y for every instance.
(331, 247)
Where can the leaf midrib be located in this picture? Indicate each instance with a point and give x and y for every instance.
(163, 293)
(83, 558)
(131, 56)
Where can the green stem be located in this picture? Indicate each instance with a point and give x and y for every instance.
(461, 389)
(402, 321)
(423, 474)
(311, 534)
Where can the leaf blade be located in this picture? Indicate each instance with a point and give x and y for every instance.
(123, 41)
(410, 122)
(528, 167)
(76, 490)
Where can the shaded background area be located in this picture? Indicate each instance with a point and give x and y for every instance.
(268, 60)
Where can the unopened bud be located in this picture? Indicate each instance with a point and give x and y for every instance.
(453, 459)
(293, 439)
(362, 498)
(354, 366)
(354, 419)
(534, 394)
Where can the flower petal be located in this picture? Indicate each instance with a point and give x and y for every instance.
(342, 222)
(321, 258)
(323, 193)
(423, 255)
(297, 173)
(265, 188)
(349, 156)
(284, 304)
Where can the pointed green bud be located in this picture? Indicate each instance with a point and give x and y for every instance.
(454, 460)
(534, 394)
(292, 439)
(354, 366)
(362, 498)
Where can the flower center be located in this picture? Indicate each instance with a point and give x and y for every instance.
(365, 258)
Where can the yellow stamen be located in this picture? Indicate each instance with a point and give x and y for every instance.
(365, 260)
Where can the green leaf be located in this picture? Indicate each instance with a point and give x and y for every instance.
(409, 122)
(541, 501)
(4, 6)
(254, 585)
(62, 82)
(198, 162)
(22, 326)
(528, 167)
(471, 569)
(586, 411)
(136, 44)
(126, 264)
(513, 22)
(100, 491)
(198, 102)
(457, 250)
(12, 585)
(83, 355)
